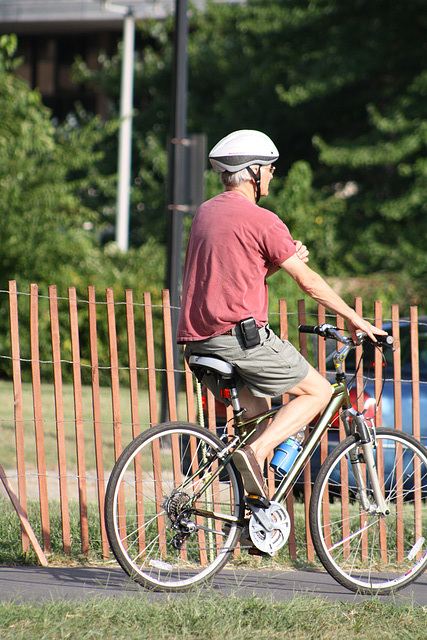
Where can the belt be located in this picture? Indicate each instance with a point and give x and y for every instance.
(229, 332)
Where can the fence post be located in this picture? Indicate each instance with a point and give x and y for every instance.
(415, 369)
(78, 415)
(151, 359)
(397, 375)
(38, 417)
(114, 366)
(133, 370)
(378, 313)
(59, 412)
(169, 353)
(96, 407)
(292, 545)
(379, 362)
(306, 472)
(358, 307)
(17, 396)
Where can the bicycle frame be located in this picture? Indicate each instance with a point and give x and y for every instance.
(340, 398)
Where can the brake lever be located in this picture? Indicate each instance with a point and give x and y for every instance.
(381, 341)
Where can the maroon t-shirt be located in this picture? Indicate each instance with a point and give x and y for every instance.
(232, 244)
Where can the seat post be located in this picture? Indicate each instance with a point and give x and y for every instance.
(237, 410)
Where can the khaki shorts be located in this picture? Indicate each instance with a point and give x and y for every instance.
(271, 368)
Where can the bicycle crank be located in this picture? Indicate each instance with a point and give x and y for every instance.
(269, 528)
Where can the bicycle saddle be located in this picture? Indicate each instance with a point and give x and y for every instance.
(204, 365)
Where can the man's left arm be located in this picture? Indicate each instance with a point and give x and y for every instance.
(315, 286)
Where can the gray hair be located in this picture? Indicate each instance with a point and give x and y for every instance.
(235, 179)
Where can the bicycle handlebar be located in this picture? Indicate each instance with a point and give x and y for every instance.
(306, 328)
(329, 331)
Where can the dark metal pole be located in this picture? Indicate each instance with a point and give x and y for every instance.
(180, 80)
(177, 156)
(177, 179)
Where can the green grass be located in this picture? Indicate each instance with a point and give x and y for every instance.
(11, 551)
(205, 615)
(202, 613)
(10, 536)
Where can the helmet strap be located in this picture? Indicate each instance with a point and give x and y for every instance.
(257, 178)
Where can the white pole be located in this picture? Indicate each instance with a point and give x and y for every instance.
(125, 134)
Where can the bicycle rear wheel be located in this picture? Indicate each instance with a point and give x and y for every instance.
(367, 552)
(157, 537)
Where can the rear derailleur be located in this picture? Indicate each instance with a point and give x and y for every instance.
(178, 514)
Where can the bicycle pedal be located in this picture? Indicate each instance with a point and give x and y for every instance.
(253, 551)
(257, 501)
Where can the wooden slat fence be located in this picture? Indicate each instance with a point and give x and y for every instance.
(125, 370)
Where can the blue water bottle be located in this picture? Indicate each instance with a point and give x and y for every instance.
(286, 453)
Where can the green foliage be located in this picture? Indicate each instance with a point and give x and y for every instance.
(350, 77)
(54, 196)
(390, 164)
(311, 215)
(42, 229)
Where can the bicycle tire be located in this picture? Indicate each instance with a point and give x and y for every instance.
(368, 553)
(145, 500)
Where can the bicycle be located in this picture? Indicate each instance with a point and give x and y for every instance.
(175, 507)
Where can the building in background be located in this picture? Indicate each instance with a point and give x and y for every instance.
(51, 33)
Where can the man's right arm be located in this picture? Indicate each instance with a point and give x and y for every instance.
(315, 286)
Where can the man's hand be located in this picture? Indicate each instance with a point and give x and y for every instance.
(301, 250)
(357, 323)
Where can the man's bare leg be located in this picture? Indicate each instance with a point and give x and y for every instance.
(312, 396)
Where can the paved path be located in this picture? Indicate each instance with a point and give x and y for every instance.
(51, 583)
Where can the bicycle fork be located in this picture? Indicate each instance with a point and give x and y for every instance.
(366, 443)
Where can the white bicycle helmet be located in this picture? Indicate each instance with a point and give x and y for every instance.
(241, 149)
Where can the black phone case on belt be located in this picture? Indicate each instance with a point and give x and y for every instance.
(250, 333)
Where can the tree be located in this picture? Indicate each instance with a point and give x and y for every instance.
(150, 129)
(43, 222)
(48, 226)
(346, 80)
(388, 170)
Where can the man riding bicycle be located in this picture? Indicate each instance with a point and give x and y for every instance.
(234, 246)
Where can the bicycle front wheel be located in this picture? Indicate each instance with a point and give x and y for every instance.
(363, 550)
(162, 536)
